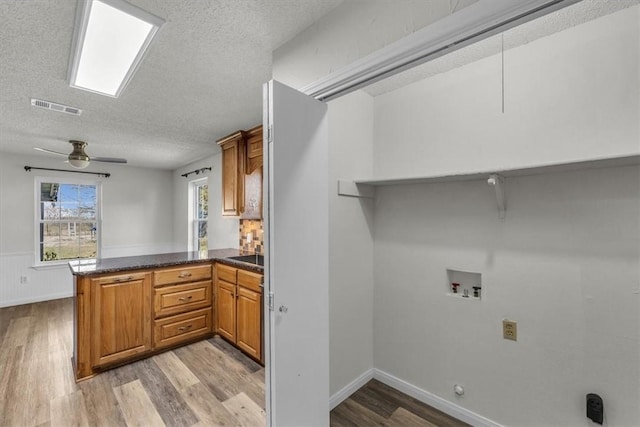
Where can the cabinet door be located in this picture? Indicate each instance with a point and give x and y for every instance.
(249, 322)
(298, 195)
(121, 318)
(233, 157)
(226, 310)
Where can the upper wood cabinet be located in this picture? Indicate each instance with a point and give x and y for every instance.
(233, 158)
(254, 149)
(121, 317)
(242, 174)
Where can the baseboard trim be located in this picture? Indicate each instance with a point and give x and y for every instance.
(39, 298)
(350, 388)
(431, 399)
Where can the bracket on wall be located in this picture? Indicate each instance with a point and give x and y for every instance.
(352, 189)
(497, 181)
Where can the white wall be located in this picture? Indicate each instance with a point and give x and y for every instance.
(222, 231)
(570, 96)
(137, 218)
(350, 242)
(564, 263)
(352, 31)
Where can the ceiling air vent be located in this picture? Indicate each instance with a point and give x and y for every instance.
(47, 105)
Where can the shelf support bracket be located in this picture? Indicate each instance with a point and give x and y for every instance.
(352, 189)
(497, 181)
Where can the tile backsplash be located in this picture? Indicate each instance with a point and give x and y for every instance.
(251, 227)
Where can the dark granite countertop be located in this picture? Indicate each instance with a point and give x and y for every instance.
(91, 267)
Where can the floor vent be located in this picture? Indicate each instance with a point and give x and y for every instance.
(47, 105)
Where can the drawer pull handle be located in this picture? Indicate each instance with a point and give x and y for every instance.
(123, 279)
(184, 274)
(185, 328)
(185, 299)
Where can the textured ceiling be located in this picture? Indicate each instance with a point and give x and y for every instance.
(200, 80)
(567, 17)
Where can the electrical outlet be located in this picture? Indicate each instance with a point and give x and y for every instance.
(24, 279)
(510, 330)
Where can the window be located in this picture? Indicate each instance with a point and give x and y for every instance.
(199, 213)
(67, 220)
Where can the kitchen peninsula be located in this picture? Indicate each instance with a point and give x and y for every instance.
(133, 307)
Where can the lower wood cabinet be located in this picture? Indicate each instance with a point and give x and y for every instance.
(239, 308)
(121, 317)
(133, 314)
(182, 305)
(249, 322)
(226, 309)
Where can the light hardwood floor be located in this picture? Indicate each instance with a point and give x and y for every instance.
(209, 383)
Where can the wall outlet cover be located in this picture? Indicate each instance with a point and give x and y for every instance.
(510, 330)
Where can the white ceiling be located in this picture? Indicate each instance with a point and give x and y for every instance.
(201, 79)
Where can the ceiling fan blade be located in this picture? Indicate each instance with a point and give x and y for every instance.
(108, 159)
(50, 151)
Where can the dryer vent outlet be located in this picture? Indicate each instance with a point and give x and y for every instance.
(595, 408)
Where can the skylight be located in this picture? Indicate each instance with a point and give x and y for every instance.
(110, 39)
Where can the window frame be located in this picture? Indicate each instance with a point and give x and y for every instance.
(193, 243)
(38, 220)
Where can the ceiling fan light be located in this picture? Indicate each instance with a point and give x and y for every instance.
(79, 163)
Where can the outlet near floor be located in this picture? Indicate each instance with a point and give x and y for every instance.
(510, 330)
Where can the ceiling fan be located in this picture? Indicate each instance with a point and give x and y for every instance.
(78, 158)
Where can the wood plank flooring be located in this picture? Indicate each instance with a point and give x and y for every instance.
(377, 404)
(209, 383)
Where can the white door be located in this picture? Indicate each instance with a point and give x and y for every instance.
(296, 267)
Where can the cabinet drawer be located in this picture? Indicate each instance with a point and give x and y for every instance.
(226, 273)
(250, 280)
(180, 298)
(183, 327)
(181, 275)
(119, 278)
